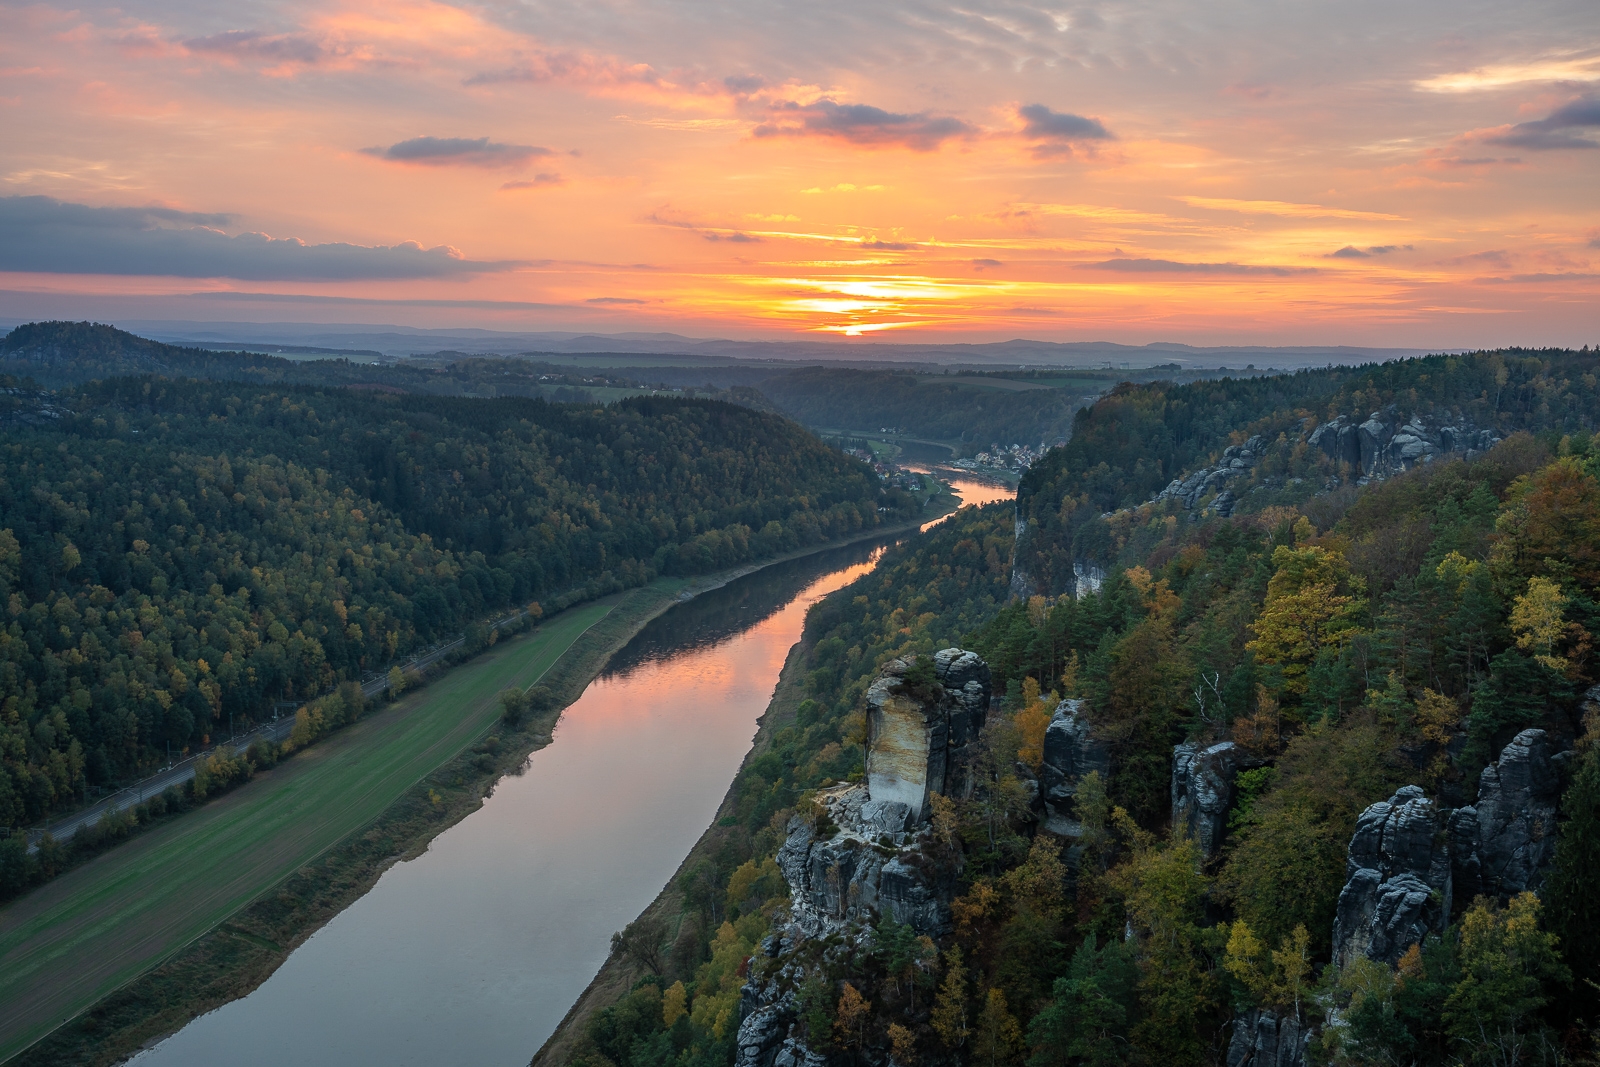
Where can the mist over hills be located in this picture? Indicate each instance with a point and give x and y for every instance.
(399, 341)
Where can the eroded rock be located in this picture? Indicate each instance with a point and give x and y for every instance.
(1203, 790)
(1266, 1039)
(1503, 844)
(1070, 752)
(1398, 880)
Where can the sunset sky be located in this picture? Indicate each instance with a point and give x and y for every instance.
(1408, 174)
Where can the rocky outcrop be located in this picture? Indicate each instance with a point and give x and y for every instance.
(1022, 584)
(844, 867)
(1203, 791)
(1386, 444)
(866, 851)
(916, 746)
(1236, 460)
(1070, 752)
(1502, 844)
(1266, 1039)
(1398, 880)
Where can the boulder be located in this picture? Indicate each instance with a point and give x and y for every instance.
(1398, 880)
(761, 1035)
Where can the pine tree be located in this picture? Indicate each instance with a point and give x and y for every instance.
(1570, 885)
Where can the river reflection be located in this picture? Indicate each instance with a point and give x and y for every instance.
(473, 952)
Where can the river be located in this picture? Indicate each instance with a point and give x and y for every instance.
(472, 952)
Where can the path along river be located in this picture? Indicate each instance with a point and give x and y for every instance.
(472, 952)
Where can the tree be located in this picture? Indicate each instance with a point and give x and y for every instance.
(1570, 885)
(513, 703)
(950, 1007)
(997, 1040)
(1086, 1022)
(641, 941)
(674, 1002)
(397, 681)
(1507, 967)
(850, 1020)
(1304, 612)
(1163, 887)
(1538, 619)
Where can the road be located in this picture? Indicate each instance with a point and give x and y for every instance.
(182, 771)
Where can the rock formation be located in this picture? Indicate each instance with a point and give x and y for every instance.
(1398, 883)
(1236, 460)
(1266, 1039)
(1202, 790)
(1070, 752)
(1502, 844)
(868, 851)
(914, 748)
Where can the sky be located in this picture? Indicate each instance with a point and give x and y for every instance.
(1204, 171)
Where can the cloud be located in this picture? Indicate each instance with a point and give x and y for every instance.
(1536, 278)
(253, 44)
(736, 237)
(1058, 130)
(1555, 68)
(374, 301)
(41, 233)
(457, 152)
(1280, 207)
(614, 300)
(538, 181)
(889, 246)
(1559, 129)
(1352, 252)
(986, 264)
(1170, 266)
(862, 124)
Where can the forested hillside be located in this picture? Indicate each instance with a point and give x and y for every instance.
(856, 400)
(1314, 784)
(1137, 439)
(176, 552)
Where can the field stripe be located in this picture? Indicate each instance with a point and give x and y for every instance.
(72, 941)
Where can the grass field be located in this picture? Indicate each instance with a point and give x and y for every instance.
(75, 939)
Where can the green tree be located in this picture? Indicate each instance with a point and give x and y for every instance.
(1086, 1021)
(1508, 968)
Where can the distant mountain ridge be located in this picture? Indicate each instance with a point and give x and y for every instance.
(403, 340)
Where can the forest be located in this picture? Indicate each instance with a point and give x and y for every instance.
(1400, 632)
(178, 554)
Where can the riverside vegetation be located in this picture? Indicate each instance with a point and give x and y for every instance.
(179, 554)
(1418, 616)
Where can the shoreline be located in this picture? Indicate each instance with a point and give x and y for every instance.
(236, 955)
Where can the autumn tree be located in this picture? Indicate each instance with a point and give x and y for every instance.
(1305, 611)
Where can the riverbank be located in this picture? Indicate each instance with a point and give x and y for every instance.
(238, 955)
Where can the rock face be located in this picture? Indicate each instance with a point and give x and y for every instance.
(1386, 444)
(1070, 752)
(914, 749)
(869, 851)
(1236, 460)
(853, 870)
(1502, 844)
(1398, 883)
(1266, 1039)
(1202, 790)
(1382, 445)
(864, 854)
